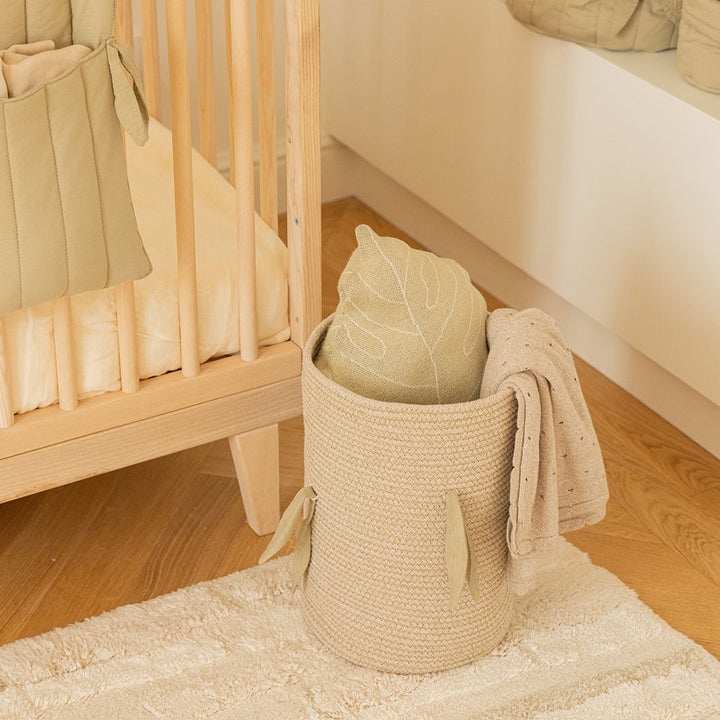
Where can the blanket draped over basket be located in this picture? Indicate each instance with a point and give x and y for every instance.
(66, 218)
(558, 481)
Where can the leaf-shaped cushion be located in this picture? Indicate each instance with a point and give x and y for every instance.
(410, 326)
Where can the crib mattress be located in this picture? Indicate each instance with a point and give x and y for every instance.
(29, 333)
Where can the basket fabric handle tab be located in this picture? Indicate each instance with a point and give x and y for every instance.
(459, 555)
(130, 103)
(302, 506)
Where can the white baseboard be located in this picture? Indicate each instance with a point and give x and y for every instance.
(336, 180)
(345, 173)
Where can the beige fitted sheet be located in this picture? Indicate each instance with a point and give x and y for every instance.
(29, 333)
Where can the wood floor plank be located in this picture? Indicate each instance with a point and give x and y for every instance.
(134, 533)
(650, 439)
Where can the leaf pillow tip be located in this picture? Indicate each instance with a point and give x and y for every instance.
(364, 235)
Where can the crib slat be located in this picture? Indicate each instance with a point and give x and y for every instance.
(244, 174)
(125, 292)
(127, 337)
(302, 77)
(124, 22)
(65, 354)
(228, 57)
(206, 79)
(151, 58)
(182, 171)
(6, 403)
(266, 112)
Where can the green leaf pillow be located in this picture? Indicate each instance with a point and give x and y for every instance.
(410, 327)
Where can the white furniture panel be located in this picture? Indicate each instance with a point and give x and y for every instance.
(593, 180)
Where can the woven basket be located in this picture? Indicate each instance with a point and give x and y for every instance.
(376, 590)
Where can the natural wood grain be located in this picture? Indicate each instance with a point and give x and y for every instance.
(302, 92)
(151, 58)
(6, 401)
(144, 530)
(206, 79)
(183, 176)
(229, 415)
(256, 457)
(125, 292)
(166, 393)
(265, 20)
(242, 131)
(124, 21)
(127, 336)
(64, 354)
(229, 64)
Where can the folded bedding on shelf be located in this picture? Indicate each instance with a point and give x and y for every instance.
(698, 50)
(29, 335)
(649, 25)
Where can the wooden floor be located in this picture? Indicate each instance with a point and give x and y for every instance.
(129, 535)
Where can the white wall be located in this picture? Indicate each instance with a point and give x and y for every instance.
(593, 181)
(221, 105)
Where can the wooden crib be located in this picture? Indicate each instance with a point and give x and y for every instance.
(241, 397)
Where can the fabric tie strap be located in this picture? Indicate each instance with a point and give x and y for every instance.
(459, 555)
(130, 103)
(302, 506)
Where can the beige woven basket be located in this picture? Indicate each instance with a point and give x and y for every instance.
(376, 589)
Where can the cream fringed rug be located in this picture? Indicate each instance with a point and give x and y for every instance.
(582, 646)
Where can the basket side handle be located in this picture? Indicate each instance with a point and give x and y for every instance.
(301, 507)
(459, 555)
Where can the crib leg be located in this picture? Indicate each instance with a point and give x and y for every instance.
(257, 463)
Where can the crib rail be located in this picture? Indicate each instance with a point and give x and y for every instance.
(206, 80)
(267, 112)
(6, 404)
(65, 354)
(302, 91)
(151, 57)
(182, 169)
(125, 292)
(241, 83)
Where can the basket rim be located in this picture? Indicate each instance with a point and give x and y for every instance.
(311, 370)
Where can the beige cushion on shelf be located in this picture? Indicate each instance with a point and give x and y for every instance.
(698, 53)
(649, 25)
(410, 326)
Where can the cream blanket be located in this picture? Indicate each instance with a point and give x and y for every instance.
(558, 479)
(23, 67)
